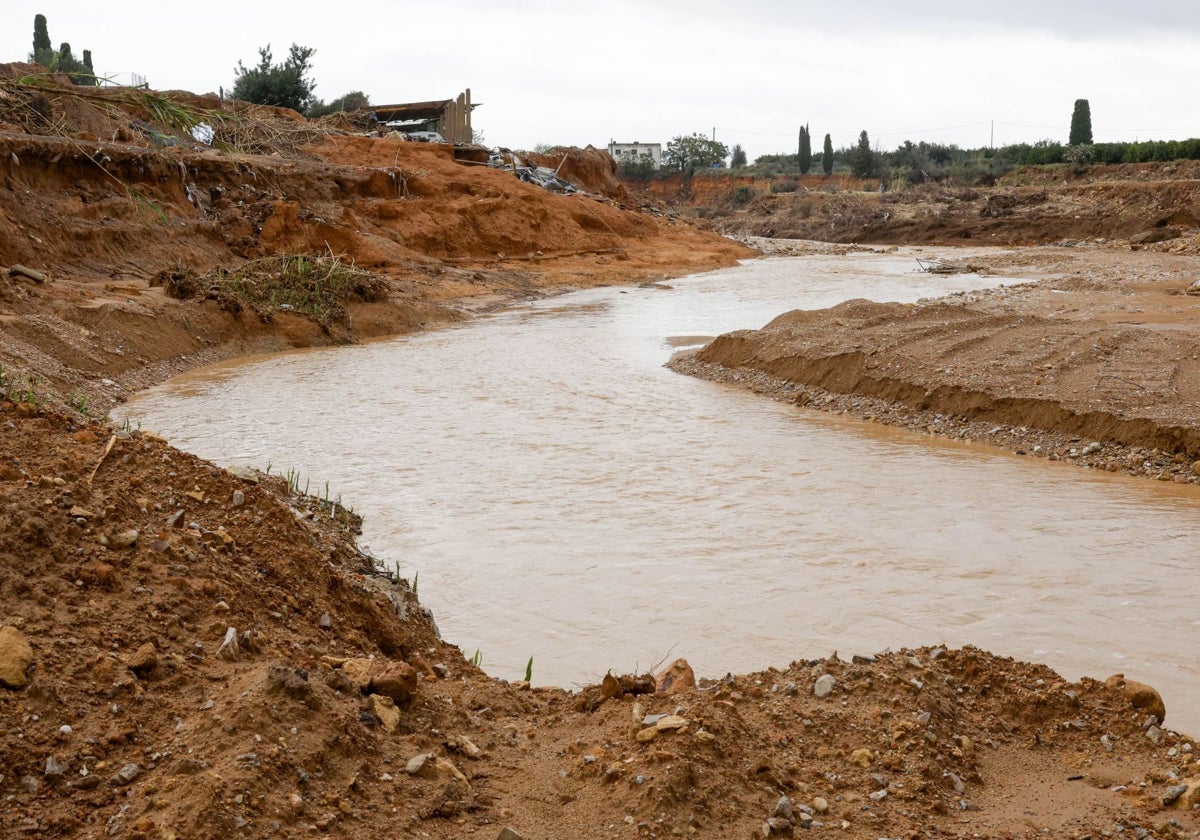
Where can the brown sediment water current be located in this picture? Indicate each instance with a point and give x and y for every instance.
(564, 496)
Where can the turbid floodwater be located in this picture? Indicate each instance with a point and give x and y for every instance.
(562, 495)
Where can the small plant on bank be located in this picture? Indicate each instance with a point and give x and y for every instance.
(78, 401)
(314, 286)
(19, 388)
(529, 670)
(477, 659)
(742, 195)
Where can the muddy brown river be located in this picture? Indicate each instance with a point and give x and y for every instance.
(562, 495)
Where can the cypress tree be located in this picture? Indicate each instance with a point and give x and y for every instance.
(43, 53)
(827, 156)
(805, 151)
(1081, 124)
(91, 71)
(862, 159)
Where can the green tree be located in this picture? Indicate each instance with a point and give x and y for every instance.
(693, 151)
(1081, 124)
(351, 101)
(827, 156)
(805, 150)
(862, 159)
(737, 157)
(42, 53)
(284, 85)
(636, 167)
(66, 62)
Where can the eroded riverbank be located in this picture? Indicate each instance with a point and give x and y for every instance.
(1096, 365)
(649, 511)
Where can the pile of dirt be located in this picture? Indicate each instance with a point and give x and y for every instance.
(190, 653)
(589, 169)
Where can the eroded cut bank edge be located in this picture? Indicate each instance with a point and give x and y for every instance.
(1143, 457)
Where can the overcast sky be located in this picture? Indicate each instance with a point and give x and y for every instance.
(554, 72)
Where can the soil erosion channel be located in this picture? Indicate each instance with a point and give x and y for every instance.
(561, 494)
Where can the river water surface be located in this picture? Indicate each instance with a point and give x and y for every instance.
(564, 496)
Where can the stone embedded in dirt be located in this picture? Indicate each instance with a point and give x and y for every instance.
(123, 539)
(396, 679)
(824, 686)
(55, 768)
(358, 671)
(385, 711)
(820, 805)
(126, 774)
(783, 810)
(143, 660)
(647, 734)
(862, 757)
(239, 498)
(1140, 695)
(463, 744)
(507, 833)
(245, 474)
(1189, 799)
(421, 765)
(1171, 794)
(325, 622)
(676, 678)
(16, 658)
(230, 650)
(670, 723)
(446, 767)
(174, 519)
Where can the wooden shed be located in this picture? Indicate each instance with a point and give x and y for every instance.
(450, 118)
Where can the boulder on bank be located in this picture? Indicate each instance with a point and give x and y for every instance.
(1141, 696)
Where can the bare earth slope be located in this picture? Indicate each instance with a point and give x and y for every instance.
(185, 652)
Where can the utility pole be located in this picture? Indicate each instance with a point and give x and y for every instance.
(714, 134)
(992, 141)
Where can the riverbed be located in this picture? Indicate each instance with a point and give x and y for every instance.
(557, 493)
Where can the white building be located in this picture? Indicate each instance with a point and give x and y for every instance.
(626, 151)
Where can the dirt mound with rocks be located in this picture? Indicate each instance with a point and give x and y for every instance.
(209, 655)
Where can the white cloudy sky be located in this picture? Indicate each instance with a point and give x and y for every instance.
(548, 71)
